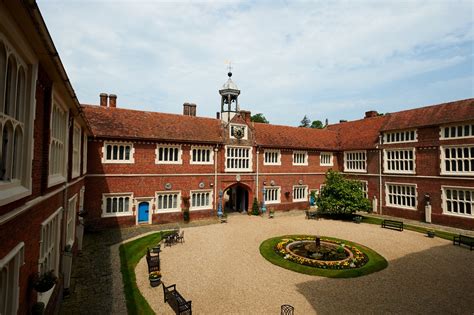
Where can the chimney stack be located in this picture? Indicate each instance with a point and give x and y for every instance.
(218, 115)
(103, 99)
(112, 100)
(189, 109)
(371, 113)
(342, 121)
(246, 115)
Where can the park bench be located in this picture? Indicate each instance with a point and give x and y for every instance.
(176, 300)
(153, 262)
(311, 215)
(392, 224)
(464, 239)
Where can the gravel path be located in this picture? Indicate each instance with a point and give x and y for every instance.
(220, 269)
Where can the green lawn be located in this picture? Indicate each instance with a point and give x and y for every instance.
(376, 262)
(130, 255)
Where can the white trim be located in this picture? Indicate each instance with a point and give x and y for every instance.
(443, 158)
(198, 147)
(168, 210)
(206, 207)
(305, 153)
(57, 178)
(84, 153)
(441, 131)
(305, 198)
(117, 214)
(366, 187)
(331, 159)
(385, 161)
(444, 201)
(278, 152)
(399, 206)
(346, 169)
(71, 217)
(400, 132)
(131, 159)
(169, 146)
(237, 170)
(76, 172)
(278, 196)
(17, 254)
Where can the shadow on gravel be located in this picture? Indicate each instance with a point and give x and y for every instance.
(434, 281)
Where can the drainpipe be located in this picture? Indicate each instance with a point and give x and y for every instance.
(216, 150)
(380, 173)
(256, 181)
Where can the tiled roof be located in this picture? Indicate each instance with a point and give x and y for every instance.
(294, 137)
(452, 112)
(133, 124)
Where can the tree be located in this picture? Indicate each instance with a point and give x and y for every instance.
(341, 196)
(305, 122)
(255, 207)
(259, 118)
(317, 124)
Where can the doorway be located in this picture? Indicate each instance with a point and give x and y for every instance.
(143, 212)
(236, 199)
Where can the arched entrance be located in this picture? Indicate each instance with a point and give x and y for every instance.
(236, 198)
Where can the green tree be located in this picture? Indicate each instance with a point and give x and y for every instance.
(259, 118)
(317, 124)
(305, 122)
(341, 196)
(255, 207)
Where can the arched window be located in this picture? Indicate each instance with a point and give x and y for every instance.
(11, 86)
(3, 73)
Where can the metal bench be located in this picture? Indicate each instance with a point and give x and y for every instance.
(464, 239)
(153, 262)
(176, 300)
(392, 224)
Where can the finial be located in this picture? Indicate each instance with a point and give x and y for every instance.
(229, 68)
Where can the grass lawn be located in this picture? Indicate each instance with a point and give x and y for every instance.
(376, 262)
(130, 255)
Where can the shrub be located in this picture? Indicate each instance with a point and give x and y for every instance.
(255, 207)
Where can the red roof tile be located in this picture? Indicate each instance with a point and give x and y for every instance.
(133, 124)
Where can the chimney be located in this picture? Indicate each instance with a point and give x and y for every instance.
(112, 100)
(371, 113)
(189, 109)
(245, 114)
(103, 99)
(218, 115)
(342, 121)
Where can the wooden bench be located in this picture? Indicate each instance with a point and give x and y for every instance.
(464, 239)
(153, 262)
(311, 215)
(392, 224)
(176, 300)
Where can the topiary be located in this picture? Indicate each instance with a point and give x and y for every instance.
(255, 207)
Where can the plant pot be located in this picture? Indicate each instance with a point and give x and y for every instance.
(430, 234)
(155, 282)
(186, 216)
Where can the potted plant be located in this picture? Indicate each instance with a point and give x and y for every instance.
(186, 216)
(155, 278)
(255, 207)
(45, 282)
(430, 233)
(271, 214)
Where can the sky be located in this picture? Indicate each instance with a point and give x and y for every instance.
(325, 59)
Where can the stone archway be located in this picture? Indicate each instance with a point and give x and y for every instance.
(236, 198)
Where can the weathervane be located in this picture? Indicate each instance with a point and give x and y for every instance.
(229, 67)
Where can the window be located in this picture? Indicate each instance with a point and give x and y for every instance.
(300, 193)
(272, 157)
(84, 154)
(202, 155)
(458, 201)
(238, 131)
(201, 199)
(364, 185)
(114, 205)
(458, 131)
(168, 154)
(9, 279)
(76, 151)
(400, 136)
(401, 196)
(58, 144)
(238, 158)
(118, 153)
(399, 161)
(49, 243)
(300, 158)
(71, 220)
(81, 199)
(355, 161)
(326, 159)
(16, 134)
(272, 195)
(457, 160)
(169, 201)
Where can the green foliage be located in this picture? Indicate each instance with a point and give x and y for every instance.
(317, 124)
(259, 118)
(305, 122)
(341, 196)
(255, 207)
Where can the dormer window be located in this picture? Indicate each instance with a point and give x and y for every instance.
(237, 131)
(400, 136)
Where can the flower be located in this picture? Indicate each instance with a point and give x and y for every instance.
(154, 275)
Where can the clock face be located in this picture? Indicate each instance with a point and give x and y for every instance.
(238, 132)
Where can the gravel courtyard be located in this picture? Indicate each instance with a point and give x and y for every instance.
(220, 269)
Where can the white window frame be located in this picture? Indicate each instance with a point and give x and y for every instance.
(10, 287)
(278, 195)
(206, 207)
(231, 136)
(331, 159)
(444, 201)
(272, 151)
(211, 155)
(117, 214)
(393, 205)
(21, 186)
(305, 198)
(355, 170)
(59, 176)
(169, 146)
(84, 153)
(76, 150)
(442, 132)
(250, 158)
(71, 213)
(400, 133)
(443, 159)
(400, 161)
(305, 161)
(168, 210)
(364, 188)
(50, 230)
(81, 198)
(131, 159)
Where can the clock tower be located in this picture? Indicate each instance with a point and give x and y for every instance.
(229, 99)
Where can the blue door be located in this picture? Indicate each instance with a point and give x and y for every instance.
(143, 212)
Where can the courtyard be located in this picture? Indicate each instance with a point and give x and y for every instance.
(220, 269)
